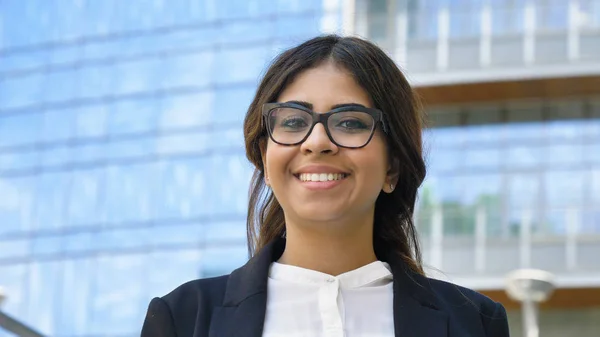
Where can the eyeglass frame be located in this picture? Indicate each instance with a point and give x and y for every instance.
(378, 117)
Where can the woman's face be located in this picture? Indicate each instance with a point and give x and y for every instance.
(364, 171)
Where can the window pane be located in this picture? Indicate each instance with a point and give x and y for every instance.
(180, 111)
(84, 205)
(14, 283)
(77, 281)
(133, 115)
(60, 85)
(523, 191)
(188, 70)
(240, 64)
(229, 173)
(51, 199)
(184, 189)
(58, 124)
(18, 160)
(16, 204)
(129, 196)
(231, 104)
(96, 80)
(119, 299)
(564, 188)
(44, 296)
(137, 76)
(20, 91)
(91, 121)
(164, 275)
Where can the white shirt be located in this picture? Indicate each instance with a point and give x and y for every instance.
(307, 303)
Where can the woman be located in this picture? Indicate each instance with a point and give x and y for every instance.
(335, 135)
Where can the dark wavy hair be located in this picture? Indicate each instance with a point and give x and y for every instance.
(394, 230)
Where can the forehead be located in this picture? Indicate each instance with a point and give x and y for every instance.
(325, 86)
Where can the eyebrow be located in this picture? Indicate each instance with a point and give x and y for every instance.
(341, 105)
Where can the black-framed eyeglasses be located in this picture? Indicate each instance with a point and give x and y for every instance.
(349, 126)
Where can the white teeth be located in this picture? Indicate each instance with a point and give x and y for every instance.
(321, 176)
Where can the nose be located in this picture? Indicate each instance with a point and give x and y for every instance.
(318, 142)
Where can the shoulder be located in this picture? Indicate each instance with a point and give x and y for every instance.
(467, 306)
(187, 306)
(205, 291)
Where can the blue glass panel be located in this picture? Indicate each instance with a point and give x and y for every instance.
(564, 188)
(231, 104)
(106, 50)
(14, 282)
(18, 160)
(131, 148)
(98, 17)
(222, 260)
(171, 269)
(507, 18)
(137, 76)
(51, 199)
(30, 60)
(237, 9)
(15, 33)
(59, 156)
(20, 91)
(595, 189)
(240, 64)
(58, 124)
(245, 31)
(524, 191)
(524, 131)
(77, 281)
(521, 156)
(225, 232)
(445, 160)
(91, 121)
(299, 27)
(67, 19)
(559, 131)
(183, 143)
(176, 235)
(551, 14)
(491, 135)
(189, 39)
(22, 128)
(189, 70)
(84, 197)
(14, 248)
(563, 154)
(66, 54)
(591, 152)
(96, 80)
(16, 204)
(134, 115)
(229, 181)
(60, 85)
(447, 137)
(480, 158)
(229, 139)
(119, 239)
(296, 6)
(116, 306)
(76, 242)
(44, 297)
(185, 190)
(46, 245)
(129, 196)
(92, 153)
(181, 111)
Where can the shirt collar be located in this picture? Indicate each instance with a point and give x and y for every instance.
(376, 273)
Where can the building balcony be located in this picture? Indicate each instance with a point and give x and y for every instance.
(440, 42)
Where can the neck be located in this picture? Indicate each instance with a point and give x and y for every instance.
(329, 252)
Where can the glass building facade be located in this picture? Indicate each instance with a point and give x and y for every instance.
(122, 166)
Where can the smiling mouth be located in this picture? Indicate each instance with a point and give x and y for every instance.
(321, 177)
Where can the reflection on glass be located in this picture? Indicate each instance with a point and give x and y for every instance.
(564, 188)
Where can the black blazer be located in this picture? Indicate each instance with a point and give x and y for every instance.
(235, 304)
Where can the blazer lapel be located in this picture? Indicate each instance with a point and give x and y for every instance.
(416, 313)
(245, 300)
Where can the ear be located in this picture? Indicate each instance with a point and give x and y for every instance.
(392, 176)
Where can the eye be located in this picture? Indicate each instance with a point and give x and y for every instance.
(352, 124)
(293, 123)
